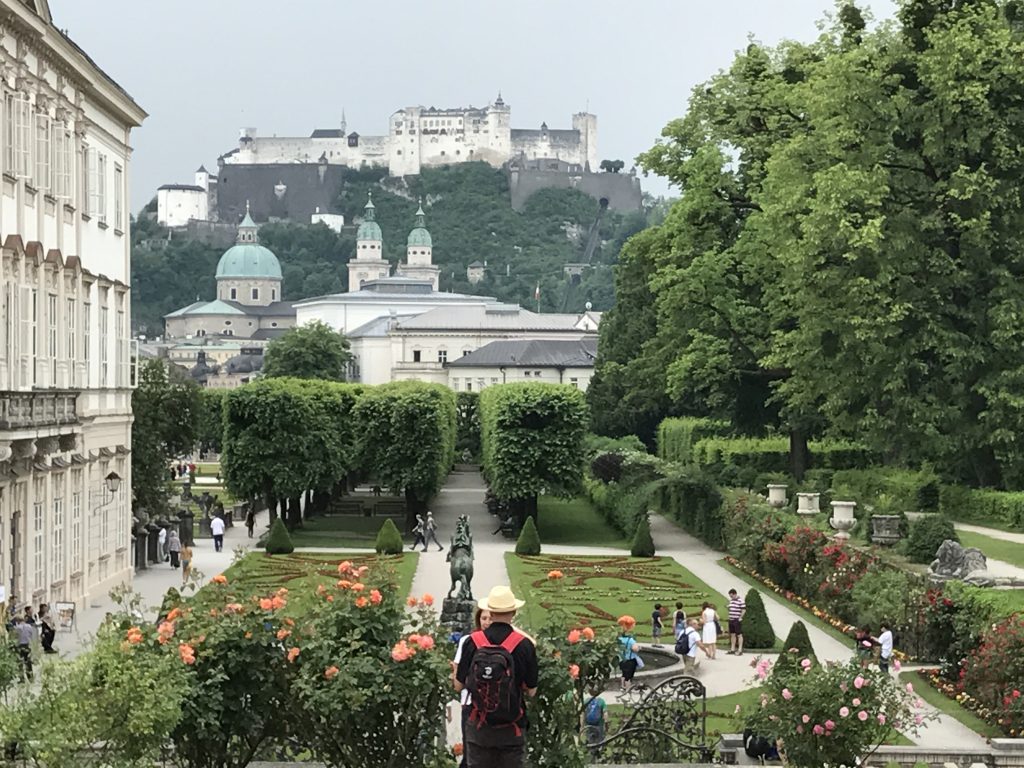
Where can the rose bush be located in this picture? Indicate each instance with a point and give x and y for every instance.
(993, 673)
(831, 715)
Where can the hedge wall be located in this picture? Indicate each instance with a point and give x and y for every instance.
(888, 490)
(678, 436)
(693, 499)
(969, 505)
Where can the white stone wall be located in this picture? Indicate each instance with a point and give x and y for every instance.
(241, 326)
(176, 207)
(474, 379)
(64, 308)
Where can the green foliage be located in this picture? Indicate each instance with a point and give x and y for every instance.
(532, 437)
(800, 706)
(690, 497)
(677, 437)
(166, 408)
(887, 490)
(389, 540)
(885, 594)
(643, 544)
(757, 629)
(796, 647)
(528, 542)
(210, 427)
(310, 351)
(407, 436)
(467, 429)
(927, 535)
(982, 506)
(598, 444)
(279, 541)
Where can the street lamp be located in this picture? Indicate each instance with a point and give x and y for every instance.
(110, 485)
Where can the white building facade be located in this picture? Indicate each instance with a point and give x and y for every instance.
(66, 361)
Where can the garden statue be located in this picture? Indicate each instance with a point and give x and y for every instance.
(457, 608)
(954, 561)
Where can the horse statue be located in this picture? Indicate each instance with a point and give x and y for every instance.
(460, 555)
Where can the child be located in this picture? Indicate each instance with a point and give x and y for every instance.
(865, 646)
(656, 625)
(629, 656)
(679, 621)
(595, 718)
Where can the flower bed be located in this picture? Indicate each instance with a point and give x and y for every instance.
(953, 692)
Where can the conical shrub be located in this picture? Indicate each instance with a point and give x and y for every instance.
(796, 648)
(279, 542)
(643, 544)
(757, 629)
(389, 540)
(529, 540)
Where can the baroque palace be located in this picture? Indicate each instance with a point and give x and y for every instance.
(66, 359)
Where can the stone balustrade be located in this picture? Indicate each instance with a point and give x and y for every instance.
(35, 410)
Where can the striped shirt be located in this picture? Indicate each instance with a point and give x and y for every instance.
(736, 608)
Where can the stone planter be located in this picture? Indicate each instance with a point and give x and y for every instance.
(777, 495)
(842, 519)
(808, 503)
(885, 529)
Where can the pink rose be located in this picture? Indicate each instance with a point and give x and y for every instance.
(806, 718)
(787, 694)
(799, 729)
(918, 704)
(918, 719)
(806, 663)
(830, 725)
(862, 715)
(896, 665)
(844, 712)
(881, 719)
(858, 682)
(818, 730)
(856, 702)
(866, 643)
(910, 687)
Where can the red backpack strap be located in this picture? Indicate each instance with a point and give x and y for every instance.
(512, 641)
(479, 639)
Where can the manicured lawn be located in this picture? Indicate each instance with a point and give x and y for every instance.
(947, 706)
(806, 616)
(997, 549)
(575, 521)
(301, 572)
(339, 531)
(597, 590)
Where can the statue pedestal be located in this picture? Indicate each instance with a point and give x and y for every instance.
(457, 614)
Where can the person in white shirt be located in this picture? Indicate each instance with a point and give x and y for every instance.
(217, 529)
(688, 645)
(884, 641)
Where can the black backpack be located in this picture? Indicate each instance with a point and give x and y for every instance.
(497, 698)
(684, 643)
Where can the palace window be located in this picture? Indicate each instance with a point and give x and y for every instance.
(118, 197)
(442, 355)
(234, 294)
(416, 356)
(71, 323)
(76, 522)
(39, 539)
(43, 179)
(255, 294)
(58, 540)
(51, 340)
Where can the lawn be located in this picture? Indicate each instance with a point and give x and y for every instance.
(575, 521)
(301, 572)
(597, 590)
(339, 531)
(996, 549)
(947, 706)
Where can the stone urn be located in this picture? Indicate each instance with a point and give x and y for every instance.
(808, 503)
(777, 495)
(885, 529)
(842, 518)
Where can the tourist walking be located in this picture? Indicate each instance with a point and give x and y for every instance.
(217, 529)
(418, 533)
(688, 646)
(431, 532)
(24, 635)
(498, 666)
(174, 547)
(629, 651)
(186, 563)
(737, 610)
(885, 644)
(47, 628)
(709, 630)
(161, 544)
(250, 521)
(656, 626)
(481, 621)
(678, 622)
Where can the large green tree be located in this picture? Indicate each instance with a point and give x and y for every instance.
(310, 351)
(165, 406)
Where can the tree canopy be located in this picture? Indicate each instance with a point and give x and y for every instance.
(310, 351)
(845, 258)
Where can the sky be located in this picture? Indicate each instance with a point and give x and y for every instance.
(202, 69)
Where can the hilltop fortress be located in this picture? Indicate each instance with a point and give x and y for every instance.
(423, 137)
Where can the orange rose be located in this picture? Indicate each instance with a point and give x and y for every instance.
(266, 603)
(293, 653)
(344, 567)
(574, 671)
(331, 672)
(574, 636)
(411, 602)
(588, 633)
(457, 749)
(375, 596)
(187, 653)
(357, 587)
(428, 599)
(362, 602)
(343, 584)
(277, 603)
(220, 578)
(283, 633)
(174, 614)
(555, 575)
(134, 636)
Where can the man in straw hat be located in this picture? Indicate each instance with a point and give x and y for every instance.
(498, 666)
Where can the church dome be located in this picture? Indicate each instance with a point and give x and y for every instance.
(249, 260)
(419, 236)
(369, 229)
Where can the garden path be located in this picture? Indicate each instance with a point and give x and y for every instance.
(994, 533)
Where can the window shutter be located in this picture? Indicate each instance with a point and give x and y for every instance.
(23, 135)
(43, 179)
(25, 329)
(92, 174)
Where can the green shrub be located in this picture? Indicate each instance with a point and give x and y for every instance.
(885, 490)
(692, 498)
(795, 649)
(389, 540)
(279, 542)
(928, 497)
(884, 594)
(678, 436)
(757, 629)
(467, 424)
(982, 505)
(643, 544)
(927, 535)
(529, 539)
(597, 444)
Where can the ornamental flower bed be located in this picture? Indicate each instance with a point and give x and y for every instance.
(1005, 718)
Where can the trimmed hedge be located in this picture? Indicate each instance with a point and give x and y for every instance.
(968, 505)
(620, 504)
(279, 542)
(745, 461)
(643, 544)
(927, 535)
(694, 501)
(757, 629)
(389, 540)
(887, 490)
(796, 648)
(678, 436)
(529, 540)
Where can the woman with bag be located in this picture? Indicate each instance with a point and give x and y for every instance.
(629, 651)
(709, 631)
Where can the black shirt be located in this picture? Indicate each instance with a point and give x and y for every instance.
(524, 656)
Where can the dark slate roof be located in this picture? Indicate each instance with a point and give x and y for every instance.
(529, 353)
(277, 309)
(327, 133)
(244, 363)
(189, 187)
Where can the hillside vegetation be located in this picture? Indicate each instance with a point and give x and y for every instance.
(469, 217)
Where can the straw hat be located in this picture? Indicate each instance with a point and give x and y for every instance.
(501, 600)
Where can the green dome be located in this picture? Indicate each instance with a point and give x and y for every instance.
(421, 237)
(369, 230)
(249, 260)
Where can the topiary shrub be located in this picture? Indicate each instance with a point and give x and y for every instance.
(795, 649)
(529, 540)
(389, 540)
(643, 544)
(928, 497)
(279, 542)
(927, 535)
(757, 629)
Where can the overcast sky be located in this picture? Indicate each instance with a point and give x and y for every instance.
(205, 68)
